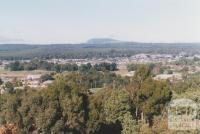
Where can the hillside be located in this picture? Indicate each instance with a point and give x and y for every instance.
(26, 51)
(102, 41)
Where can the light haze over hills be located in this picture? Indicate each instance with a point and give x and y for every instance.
(74, 21)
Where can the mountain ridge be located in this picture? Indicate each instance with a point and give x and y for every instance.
(102, 41)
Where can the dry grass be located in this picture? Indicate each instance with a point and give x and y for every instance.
(122, 70)
(20, 74)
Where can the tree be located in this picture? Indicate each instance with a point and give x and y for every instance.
(73, 113)
(15, 66)
(85, 67)
(129, 125)
(16, 82)
(148, 96)
(170, 72)
(67, 107)
(105, 66)
(46, 77)
(116, 106)
(1, 81)
(134, 88)
(132, 67)
(9, 88)
(153, 97)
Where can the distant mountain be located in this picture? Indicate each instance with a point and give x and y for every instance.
(102, 41)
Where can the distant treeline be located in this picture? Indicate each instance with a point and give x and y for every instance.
(73, 51)
(133, 67)
(44, 65)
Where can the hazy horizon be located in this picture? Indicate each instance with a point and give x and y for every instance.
(22, 42)
(67, 21)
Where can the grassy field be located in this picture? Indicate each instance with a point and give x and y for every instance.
(20, 74)
(122, 70)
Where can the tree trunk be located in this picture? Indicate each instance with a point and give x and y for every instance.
(142, 116)
(136, 113)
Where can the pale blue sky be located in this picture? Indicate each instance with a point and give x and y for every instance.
(74, 21)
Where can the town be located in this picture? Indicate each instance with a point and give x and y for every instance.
(100, 67)
(167, 67)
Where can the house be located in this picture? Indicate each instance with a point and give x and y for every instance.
(34, 77)
(33, 80)
(171, 77)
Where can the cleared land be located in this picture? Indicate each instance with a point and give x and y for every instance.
(20, 74)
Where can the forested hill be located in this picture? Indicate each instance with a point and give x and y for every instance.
(87, 50)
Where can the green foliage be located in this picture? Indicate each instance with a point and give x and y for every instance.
(142, 73)
(96, 116)
(54, 110)
(85, 68)
(153, 96)
(134, 67)
(129, 125)
(66, 106)
(74, 113)
(1, 81)
(46, 77)
(148, 96)
(37, 64)
(15, 66)
(21, 51)
(105, 66)
(8, 87)
(116, 106)
(184, 61)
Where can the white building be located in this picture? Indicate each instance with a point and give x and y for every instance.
(34, 77)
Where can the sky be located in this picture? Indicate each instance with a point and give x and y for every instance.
(75, 21)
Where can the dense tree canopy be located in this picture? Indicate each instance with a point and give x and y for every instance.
(37, 64)
(67, 106)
